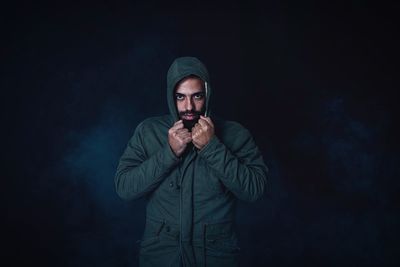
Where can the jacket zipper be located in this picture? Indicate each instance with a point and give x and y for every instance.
(180, 205)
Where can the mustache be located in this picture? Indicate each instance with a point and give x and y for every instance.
(188, 124)
(190, 112)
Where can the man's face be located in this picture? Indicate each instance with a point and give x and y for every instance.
(190, 100)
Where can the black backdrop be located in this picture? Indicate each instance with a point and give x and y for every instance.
(314, 83)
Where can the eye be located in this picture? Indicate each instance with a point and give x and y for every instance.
(199, 96)
(179, 97)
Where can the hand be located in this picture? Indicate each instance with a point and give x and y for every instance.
(178, 138)
(202, 132)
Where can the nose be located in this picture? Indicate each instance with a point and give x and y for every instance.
(189, 104)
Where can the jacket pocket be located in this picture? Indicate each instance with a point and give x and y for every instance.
(153, 227)
(221, 240)
(149, 241)
(151, 233)
(159, 238)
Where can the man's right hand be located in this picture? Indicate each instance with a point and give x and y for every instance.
(178, 138)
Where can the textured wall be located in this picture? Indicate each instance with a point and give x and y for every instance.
(315, 84)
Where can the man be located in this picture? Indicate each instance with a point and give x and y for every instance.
(191, 168)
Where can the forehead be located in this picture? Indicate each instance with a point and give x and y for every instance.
(189, 86)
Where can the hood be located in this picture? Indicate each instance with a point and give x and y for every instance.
(181, 68)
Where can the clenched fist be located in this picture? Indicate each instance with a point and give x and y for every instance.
(202, 132)
(178, 138)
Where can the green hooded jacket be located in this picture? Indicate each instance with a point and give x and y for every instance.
(191, 200)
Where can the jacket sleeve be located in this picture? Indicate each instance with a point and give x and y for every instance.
(242, 171)
(138, 174)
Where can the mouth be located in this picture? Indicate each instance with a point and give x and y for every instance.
(189, 116)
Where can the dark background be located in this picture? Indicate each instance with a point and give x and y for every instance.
(315, 83)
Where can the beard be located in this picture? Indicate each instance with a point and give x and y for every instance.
(188, 124)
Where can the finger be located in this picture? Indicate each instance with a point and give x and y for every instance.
(187, 139)
(177, 125)
(181, 131)
(196, 126)
(208, 120)
(204, 123)
(197, 132)
(184, 135)
(195, 143)
(196, 129)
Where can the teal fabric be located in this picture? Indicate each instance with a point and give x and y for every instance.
(191, 200)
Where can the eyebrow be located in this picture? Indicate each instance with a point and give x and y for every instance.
(197, 93)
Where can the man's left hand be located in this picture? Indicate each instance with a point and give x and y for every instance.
(202, 132)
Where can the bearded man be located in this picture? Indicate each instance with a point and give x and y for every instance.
(192, 168)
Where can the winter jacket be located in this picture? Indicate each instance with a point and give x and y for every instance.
(191, 200)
